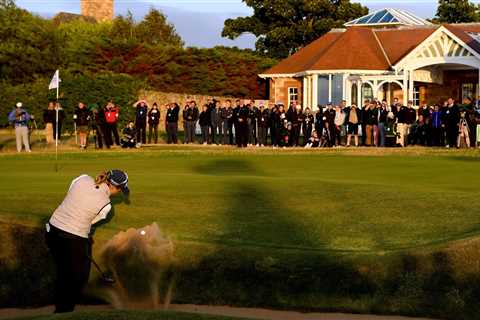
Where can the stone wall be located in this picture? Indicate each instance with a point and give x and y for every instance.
(164, 98)
(101, 10)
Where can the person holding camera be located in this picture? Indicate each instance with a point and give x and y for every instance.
(49, 117)
(19, 117)
(69, 232)
(153, 122)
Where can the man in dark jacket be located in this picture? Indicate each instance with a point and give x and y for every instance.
(242, 116)
(191, 118)
(141, 114)
(330, 118)
(98, 125)
(452, 117)
(172, 123)
(263, 121)
(227, 119)
(252, 123)
(216, 122)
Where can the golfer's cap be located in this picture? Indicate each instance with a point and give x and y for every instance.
(19, 104)
(119, 179)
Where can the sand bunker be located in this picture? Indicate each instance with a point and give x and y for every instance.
(140, 260)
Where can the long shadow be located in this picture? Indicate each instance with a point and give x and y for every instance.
(254, 264)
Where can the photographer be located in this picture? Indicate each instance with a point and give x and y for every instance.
(153, 122)
(82, 119)
(19, 117)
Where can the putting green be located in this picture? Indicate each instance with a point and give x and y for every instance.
(343, 201)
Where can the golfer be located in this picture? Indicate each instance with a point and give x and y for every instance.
(68, 233)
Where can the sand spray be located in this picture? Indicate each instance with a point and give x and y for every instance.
(140, 260)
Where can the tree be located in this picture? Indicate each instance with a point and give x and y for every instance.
(154, 29)
(284, 26)
(456, 11)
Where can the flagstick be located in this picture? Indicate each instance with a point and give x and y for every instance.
(56, 129)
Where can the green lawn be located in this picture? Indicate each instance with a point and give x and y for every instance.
(312, 201)
(350, 230)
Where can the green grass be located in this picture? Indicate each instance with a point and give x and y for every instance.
(129, 315)
(357, 230)
(307, 201)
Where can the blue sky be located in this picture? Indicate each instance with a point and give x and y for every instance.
(200, 22)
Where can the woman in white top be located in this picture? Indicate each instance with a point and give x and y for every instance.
(68, 232)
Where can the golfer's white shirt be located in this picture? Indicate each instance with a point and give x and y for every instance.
(84, 205)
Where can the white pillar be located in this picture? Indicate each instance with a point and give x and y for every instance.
(359, 93)
(389, 94)
(478, 88)
(344, 93)
(405, 87)
(375, 89)
(305, 90)
(410, 85)
(314, 102)
(330, 88)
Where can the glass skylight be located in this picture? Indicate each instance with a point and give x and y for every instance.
(388, 17)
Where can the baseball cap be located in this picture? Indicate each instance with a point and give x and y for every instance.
(19, 104)
(119, 179)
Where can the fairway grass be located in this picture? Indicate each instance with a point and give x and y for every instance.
(392, 231)
(306, 201)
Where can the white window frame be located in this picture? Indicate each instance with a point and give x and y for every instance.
(416, 96)
(473, 91)
(291, 94)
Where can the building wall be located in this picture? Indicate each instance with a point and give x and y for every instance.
(279, 89)
(452, 86)
(101, 10)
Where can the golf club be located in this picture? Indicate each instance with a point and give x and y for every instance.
(105, 278)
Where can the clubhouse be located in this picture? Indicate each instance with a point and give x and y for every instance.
(387, 54)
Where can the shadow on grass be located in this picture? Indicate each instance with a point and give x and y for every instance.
(253, 265)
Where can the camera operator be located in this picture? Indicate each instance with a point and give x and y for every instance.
(129, 136)
(19, 117)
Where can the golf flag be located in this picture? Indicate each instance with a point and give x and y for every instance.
(54, 84)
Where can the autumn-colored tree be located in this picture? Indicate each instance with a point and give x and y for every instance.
(284, 26)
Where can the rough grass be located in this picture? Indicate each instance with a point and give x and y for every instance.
(368, 230)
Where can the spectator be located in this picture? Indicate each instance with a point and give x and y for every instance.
(382, 123)
(406, 117)
(275, 126)
(242, 125)
(372, 125)
(296, 120)
(252, 123)
(98, 126)
(141, 114)
(437, 128)
(452, 119)
(285, 134)
(364, 120)
(61, 117)
(204, 120)
(217, 124)
(463, 130)
(172, 123)
(326, 139)
(153, 122)
(313, 141)
(49, 118)
(307, 125)
(319, 120)
(329, 116)
(227, 118)
(82, 118)
(19, 117)
(353, 119)
(191, 121)
(129, 136)
(263, 121)
(112, 114)
(339, 122)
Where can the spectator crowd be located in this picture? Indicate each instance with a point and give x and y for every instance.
(246, 123)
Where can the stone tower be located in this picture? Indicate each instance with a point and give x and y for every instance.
(101, 10)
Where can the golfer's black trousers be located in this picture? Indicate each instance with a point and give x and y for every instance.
(71, 255)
